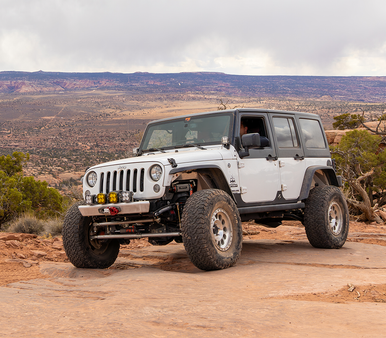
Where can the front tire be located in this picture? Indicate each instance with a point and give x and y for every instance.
(81, 251)
(326, 217)
(211, 230)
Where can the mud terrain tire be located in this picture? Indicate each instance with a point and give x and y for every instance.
(81, 252)
(211, 230)
(326, 218)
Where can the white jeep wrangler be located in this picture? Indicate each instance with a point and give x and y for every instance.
(194, 180)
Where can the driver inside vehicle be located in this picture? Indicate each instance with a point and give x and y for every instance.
(243, 128)
(254, 126)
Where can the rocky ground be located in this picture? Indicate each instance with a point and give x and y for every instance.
(22, 254)
(280, 287)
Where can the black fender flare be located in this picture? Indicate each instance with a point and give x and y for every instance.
(309, 174)
(215, 172)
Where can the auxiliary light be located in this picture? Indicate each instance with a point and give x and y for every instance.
(101, 198)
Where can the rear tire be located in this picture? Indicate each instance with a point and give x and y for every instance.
(81, 251)
(211, 230)
(326, 217)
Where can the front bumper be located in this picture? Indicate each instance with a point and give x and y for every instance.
(114, 209)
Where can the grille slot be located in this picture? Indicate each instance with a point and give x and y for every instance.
(101, 184)
(115, 181)
(128, 180)
(108, 182)
(121, 173)
(141, 181)
(135, 174)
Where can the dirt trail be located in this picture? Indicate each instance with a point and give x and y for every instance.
(281, 286)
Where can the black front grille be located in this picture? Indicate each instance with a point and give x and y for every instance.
(129, 180)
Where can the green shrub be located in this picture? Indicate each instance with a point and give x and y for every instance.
(20, 194)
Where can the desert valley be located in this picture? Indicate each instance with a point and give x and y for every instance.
(69, 121)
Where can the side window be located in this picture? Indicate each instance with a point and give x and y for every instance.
(253, 125)
(285, 132)
(312, 134)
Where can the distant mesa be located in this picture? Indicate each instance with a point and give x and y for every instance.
(359, 89)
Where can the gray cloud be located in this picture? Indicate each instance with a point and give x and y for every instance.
(302, 37)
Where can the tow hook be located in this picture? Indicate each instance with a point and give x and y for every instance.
(109, 210)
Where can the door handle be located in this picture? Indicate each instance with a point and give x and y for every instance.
(297, 157)
(271, 158)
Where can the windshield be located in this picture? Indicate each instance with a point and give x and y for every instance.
(186, 132)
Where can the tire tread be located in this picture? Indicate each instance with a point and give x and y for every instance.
(316, 218)
(195, 230)
(74, 243)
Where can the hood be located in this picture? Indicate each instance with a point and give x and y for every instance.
(181, 157)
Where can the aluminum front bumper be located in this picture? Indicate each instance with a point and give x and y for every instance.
(124, 208)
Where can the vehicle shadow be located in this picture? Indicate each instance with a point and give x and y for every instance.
(175, 258)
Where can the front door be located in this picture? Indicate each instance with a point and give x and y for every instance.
(259, 172)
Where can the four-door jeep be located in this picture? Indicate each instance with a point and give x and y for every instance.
(195, 178)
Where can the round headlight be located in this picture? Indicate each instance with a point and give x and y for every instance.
(155, 172)
(92, 178)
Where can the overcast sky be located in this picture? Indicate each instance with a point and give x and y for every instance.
(249, 37)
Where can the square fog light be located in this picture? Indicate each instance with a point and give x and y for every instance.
(89, 199)
(101, 198)
(113, 197)
(126, 196)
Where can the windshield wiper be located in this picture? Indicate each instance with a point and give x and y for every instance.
(155, 149)
(199, 146)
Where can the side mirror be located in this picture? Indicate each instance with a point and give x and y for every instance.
(251, 140)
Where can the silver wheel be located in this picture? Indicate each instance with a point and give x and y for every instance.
(211, 230)
(326, 217)
(335, 218)
(221, 230)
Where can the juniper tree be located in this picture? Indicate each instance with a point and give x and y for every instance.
(19, 194)
(361, 162)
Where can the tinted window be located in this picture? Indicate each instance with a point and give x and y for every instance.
(285, 132)
(312, 134)
(254, 125)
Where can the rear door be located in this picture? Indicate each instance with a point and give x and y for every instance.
(290, 155)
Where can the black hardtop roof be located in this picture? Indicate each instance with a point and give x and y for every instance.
(240, 110)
